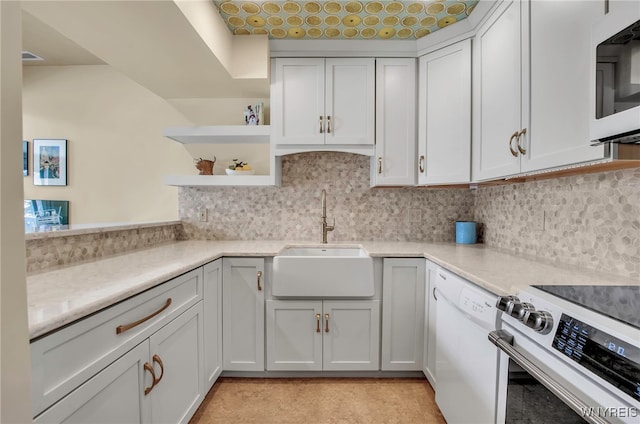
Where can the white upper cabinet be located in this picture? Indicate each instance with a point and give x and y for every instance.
(323, 104)
(444, 116)
(500, 87)
(395, 158)
(560, 84)
(531, 88)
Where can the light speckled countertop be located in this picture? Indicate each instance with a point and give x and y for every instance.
(62, 296)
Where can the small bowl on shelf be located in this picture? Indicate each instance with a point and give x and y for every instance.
(239, 172)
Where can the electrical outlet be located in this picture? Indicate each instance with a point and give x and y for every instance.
(202, 214)
(415, 215)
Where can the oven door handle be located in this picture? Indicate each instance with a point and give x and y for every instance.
(504, 340)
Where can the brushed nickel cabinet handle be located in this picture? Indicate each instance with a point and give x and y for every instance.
(329, 124)
(421, 164)
(259, 276)
(125, 327)
(522, 150)
(321, 126)
(513, 136)
(379, 164)
(149, 368)
(326, 323)
(317, 323)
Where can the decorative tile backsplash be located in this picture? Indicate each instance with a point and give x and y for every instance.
(293, 211)
(57, 250)
(590, 220)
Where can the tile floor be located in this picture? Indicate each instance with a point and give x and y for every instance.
(319, 401)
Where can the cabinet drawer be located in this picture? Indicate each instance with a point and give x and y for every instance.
(66, 358)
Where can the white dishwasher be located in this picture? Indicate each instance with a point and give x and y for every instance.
(466, 361)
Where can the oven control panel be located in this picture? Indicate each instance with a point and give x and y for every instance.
(609, 357)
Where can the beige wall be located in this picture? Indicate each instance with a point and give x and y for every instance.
(15, 380)
(117, 155)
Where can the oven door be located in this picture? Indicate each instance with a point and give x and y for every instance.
(536, 386)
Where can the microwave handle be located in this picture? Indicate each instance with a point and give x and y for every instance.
(504, 341)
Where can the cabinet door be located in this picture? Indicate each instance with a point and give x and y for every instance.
(444, 122)
(498, 92)
(429, 361)
(243, 314)
(177, 356)
(212, 318)
(350, 101)
(297, 102)
(114, 395)
(403, 314)
(294, 335)
(353, 339)
(395, 160)
(560, 84)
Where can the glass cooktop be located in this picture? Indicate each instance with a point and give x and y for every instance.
(618, 302)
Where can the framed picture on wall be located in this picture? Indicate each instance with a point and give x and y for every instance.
(45, 214)
(25, 158)
(49, 162)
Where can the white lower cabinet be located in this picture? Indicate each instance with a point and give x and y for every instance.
(429, 361)
(159, 380)
(177, 356)
(212, 305)
(403, 302)
(314, 335)
(243, 314)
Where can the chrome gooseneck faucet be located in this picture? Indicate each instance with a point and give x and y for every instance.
(325, 228)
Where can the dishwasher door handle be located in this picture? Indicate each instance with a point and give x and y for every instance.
(504, 340)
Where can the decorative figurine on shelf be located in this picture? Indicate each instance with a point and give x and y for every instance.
(205, 166)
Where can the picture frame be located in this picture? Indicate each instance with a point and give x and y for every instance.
(25, 158)
(49, 162)
(43, 215)
(254, 114)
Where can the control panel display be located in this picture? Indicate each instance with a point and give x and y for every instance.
(606, 356)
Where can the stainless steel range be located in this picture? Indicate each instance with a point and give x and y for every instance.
(569, 354)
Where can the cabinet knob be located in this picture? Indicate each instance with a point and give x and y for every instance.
(321, 126)
(379, 164)
(317, 323)
(329, 124)
(259, 277)
(421, 164)
(522, 150)
(514, 136)
(326, 323)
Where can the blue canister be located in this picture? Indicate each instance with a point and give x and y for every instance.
(465, 232)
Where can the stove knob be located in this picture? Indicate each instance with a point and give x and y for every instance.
(505, 303)
(520, 309)
(541, 321)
